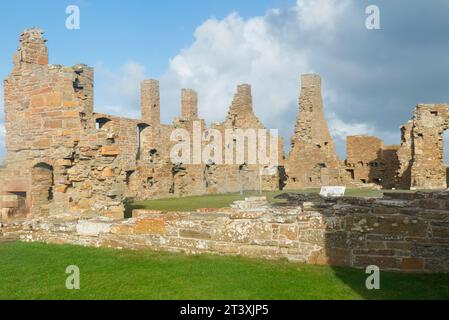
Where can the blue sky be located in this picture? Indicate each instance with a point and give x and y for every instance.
(114, 31)
(372, 78)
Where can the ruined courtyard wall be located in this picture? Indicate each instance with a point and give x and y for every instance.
(370, 161)
(394, 234)
(157, 177)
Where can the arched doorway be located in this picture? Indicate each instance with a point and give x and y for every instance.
(41, 188)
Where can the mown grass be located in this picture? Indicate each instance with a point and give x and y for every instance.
(37, 271)
(224, 200)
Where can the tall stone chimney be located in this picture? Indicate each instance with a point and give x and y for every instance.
(150, 102)
(32, 48)
(189, 104)
(243, 99)
(241, 113)
(313, 160)
(311, 124)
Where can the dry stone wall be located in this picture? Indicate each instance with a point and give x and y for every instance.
(408, 232)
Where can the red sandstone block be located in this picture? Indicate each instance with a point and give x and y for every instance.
(15, 185)
(150, 226)
(70, 114)
(42, 60)
(37, 101)
(54, 99)
(381, 262)
(9, 204)
(412, 264)
(70, 104)
(42, 143)
(53, 124)
(110, 151)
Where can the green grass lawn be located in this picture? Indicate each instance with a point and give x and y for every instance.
(224, 200)
(37, 271)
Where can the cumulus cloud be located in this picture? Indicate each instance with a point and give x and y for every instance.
(269, 52)
(341, 129)
(118, 91)
(371, 79)
(320, 15)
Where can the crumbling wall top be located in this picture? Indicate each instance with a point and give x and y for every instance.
(32, 48)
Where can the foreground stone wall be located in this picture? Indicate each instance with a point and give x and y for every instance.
(410, 233)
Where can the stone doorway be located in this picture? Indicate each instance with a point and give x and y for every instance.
(42, 183)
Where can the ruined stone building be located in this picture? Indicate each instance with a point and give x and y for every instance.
(62, 157)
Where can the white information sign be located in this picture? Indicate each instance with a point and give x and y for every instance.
(333, 192)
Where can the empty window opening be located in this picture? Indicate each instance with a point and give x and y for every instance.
(41, 187)
(21, 199)
(351, 173)
(100, 122)
(128, 177)
(140, 138)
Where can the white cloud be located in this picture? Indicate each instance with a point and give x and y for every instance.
(118, 92)
(342, 129)
(269, 52)
(320, 15)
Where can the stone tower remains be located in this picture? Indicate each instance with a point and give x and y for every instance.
(189, 104)
(313, 161)
(150, 102)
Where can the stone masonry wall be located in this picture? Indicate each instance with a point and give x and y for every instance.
(407, 232)
(56, 160)
(428, 169)
(313, 160)
(370, 161)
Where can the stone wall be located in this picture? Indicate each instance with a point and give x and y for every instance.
(370, 161)
(402, 232)
(56, 160)
(429, 123)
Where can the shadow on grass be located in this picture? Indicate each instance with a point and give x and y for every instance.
(397, 286)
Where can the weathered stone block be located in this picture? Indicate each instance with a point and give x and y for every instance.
(412, 264)
(90, 228)
(110, 151)
(194, 234)
(150, 226)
